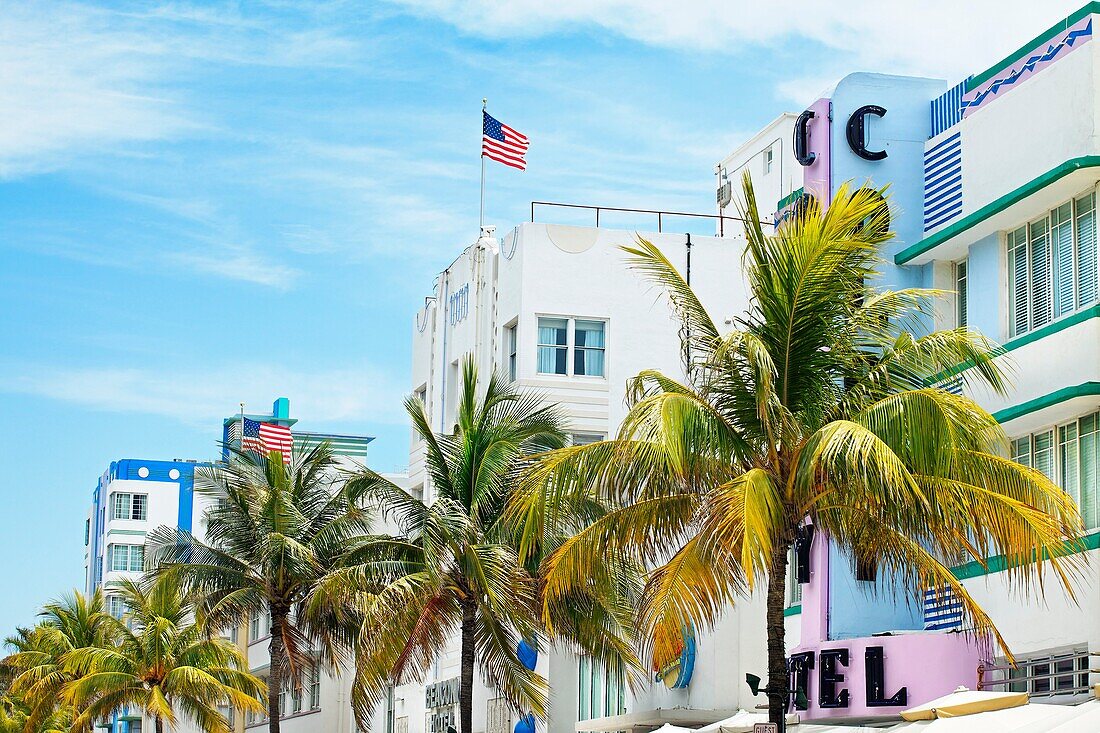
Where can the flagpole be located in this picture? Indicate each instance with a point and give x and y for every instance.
(481, 219)
(241, 446)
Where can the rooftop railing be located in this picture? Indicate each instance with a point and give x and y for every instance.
(721, 219)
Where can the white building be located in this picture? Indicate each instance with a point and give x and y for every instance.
(994, 182)
(135, 496)
(556, 309)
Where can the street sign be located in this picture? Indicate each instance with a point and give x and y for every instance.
(765, 728)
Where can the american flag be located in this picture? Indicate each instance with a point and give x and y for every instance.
(501, 143)
(263, 437)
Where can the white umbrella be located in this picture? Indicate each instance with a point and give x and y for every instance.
(670, 728)
(1020, 719)
(741, 722)
(1086, 719)
(965, 702)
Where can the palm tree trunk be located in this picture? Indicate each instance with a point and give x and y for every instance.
(466, 688)
(158, 724)
(778, 680)
(277, 654)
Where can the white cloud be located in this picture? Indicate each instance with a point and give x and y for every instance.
(199, 396)
(934, 37)
(243, 265)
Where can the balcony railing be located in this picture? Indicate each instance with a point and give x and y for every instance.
(1065, 673)
(661, 215)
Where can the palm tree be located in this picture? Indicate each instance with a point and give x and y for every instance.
(164, 661)
(455, 566)
(36, 670)
(816, 407)
(277, 530)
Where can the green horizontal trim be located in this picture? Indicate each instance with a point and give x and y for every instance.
(976, 81)
(1030, 337)
(788, 199)
(996, 564)
(793, 610)
(1051, 328)
(995, 207)
(1086, 389)
(342, 445)
(126, 531)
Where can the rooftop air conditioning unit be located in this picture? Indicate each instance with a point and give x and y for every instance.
(725, 195)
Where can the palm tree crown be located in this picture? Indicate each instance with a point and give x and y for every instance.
(454, 566)
(163, 662)
(37, 668)
(817, 407)
(277, 530)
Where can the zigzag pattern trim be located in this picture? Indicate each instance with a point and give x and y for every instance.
(1034, 63)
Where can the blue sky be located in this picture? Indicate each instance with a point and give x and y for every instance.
(207, 203)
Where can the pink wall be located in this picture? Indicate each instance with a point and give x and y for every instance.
(929, 663)
(817, 179)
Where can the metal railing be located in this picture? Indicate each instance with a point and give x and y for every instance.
(1042, 676)
(720, 218)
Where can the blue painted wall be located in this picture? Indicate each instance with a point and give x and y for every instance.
(854, 610)
(901, 132)
(984, 271)
(127, 469)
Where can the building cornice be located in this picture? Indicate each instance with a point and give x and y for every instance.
(997, 206)
(1085, 389)
(978, 79)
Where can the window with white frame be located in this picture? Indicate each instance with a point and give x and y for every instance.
(254, 627)
(553, 345)
(126, 558)
(130, 506)
(572, 346)
(769, 157)
(794, 588)
(511, 349)
(116, 606)
(1070, 456)
(960, 293)
(589, 344)
(1052, 265)
(586, 438)
(600, 691)
(1044, 674)
(315, 689)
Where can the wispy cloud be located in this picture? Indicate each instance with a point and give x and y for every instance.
(360, 393)
(243, 266)
(911, 36)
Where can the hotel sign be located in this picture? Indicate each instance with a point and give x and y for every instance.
(441, 698)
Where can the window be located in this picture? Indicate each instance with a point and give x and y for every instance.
(960, 294)
(87, 531)
(586, 339)
(769, 156)
(510, 346)
(297, 699)
(588, 357)
(1045, 674)
(586, 438)
(116, 606)
(600, 691)
(1052, 265)
(130, 506)
(315, 689)
(553, 345)
(1071, 463)
(254, 627)
(126, 558)
(794, 588)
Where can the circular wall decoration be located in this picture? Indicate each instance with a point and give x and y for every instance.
(174, 474)
(143, 472)
(676, 674)
(528, 655)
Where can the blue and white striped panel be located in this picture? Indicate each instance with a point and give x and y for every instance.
(944, 613)
(947, 108)
(943, 186)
